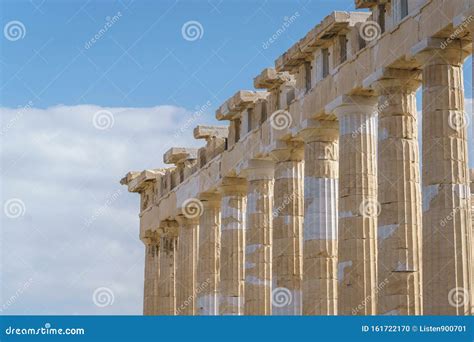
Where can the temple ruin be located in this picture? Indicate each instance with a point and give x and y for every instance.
(314, 200)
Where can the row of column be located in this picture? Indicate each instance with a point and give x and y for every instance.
(356, 246)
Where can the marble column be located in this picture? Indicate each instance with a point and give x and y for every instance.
(288, 211)
(320, 237)
(399, 194)
(187, 265)
(233, 224)
(167, 280)
(209, 255)
(447, 241)
(258, 248)
(152, 274)
(358, 206)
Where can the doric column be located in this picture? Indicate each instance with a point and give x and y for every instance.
(233, 203)
(258, 248)
(187, 265)
(358, 206)
(399, 194)
(152, 274)
(208, 278)
(320, 217)
(472, 196)
(167, 280)
(287, 242)
(446, 196)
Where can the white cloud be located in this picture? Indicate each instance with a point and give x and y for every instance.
(64, 169)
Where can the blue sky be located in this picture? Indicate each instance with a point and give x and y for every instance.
(77, 228)
(143, 59)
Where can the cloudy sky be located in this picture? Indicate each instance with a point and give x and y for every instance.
(90, 90)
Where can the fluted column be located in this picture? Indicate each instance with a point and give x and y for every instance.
(287, 242)
(447, 228)
(167, 280)
(358, 206)
(320, 218)
(472, 197)
(150, 297)
(209, 255)
(258, 248)
(399, 194)
(232, 272)
(187, 265)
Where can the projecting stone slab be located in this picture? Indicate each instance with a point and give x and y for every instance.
(318, 36)
(269, 78)
(178, 155)
(137, 181)
(207, 132)
(237, 103)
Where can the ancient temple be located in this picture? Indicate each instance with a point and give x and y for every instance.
(314, 199)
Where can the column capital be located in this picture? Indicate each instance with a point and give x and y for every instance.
(319, 130)
(169, 228)
(151, 238)
(210, 199)
(258, 169)
(288, 151)
(232, 186)
(352, 104)
(431, 51)
(187, 221)
(389, 80)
